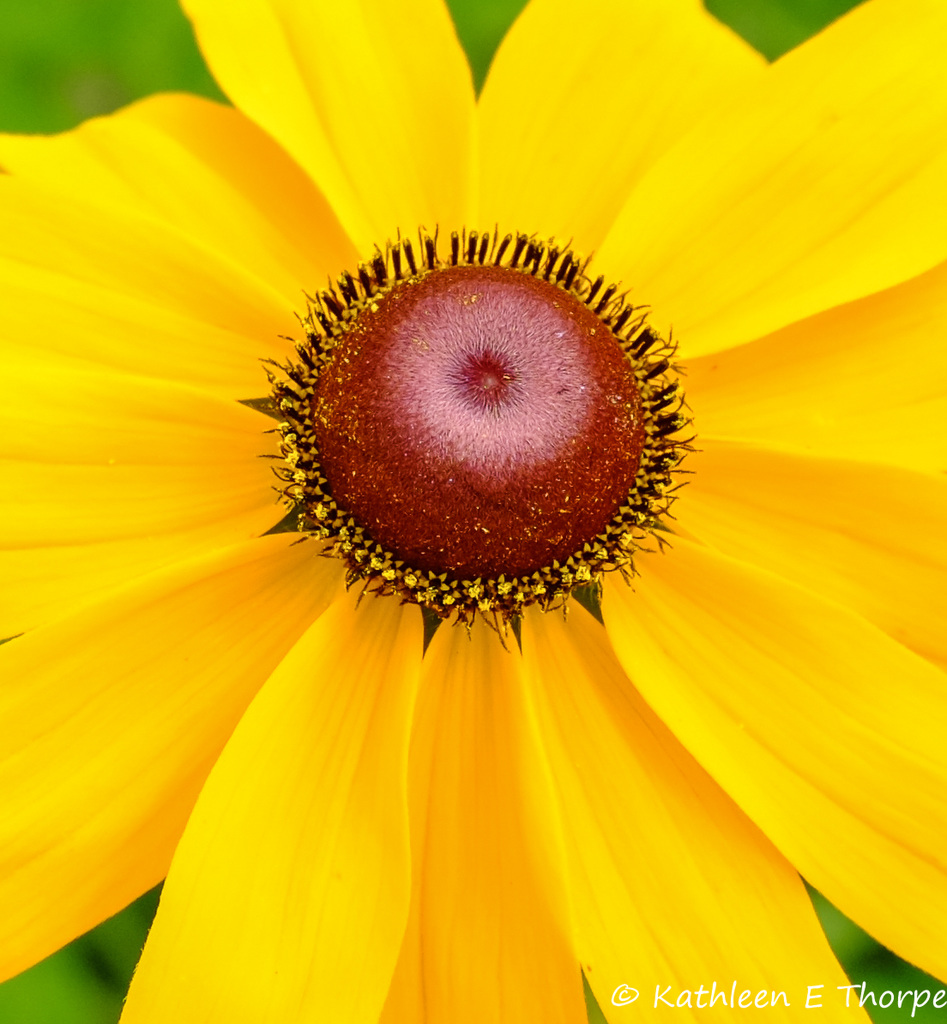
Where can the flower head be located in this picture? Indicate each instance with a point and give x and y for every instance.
(351, 832)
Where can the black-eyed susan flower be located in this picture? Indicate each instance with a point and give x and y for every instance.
(475, 349)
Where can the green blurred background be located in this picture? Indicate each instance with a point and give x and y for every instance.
(62, 61)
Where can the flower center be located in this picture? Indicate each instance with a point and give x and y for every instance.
(479, 432)
(486, 380)
(479, 422)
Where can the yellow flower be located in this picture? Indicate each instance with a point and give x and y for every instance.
(359, 835)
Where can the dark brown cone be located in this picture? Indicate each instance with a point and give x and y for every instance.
(479, 422)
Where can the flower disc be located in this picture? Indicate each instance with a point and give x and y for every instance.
(479, 421)
(480, 432)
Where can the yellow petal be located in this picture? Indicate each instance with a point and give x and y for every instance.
(577, 107)
(147, 472)
(865, 381)
(825, 731)
(111, 719)
(204, 169)
(373, 99)
(822, 185)
(69, 415)
(288, 895)
(673, 886)
(489, 937)
(45, 583)
(871, 538)
(88, 504)
(107, 285)
(107, 476)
